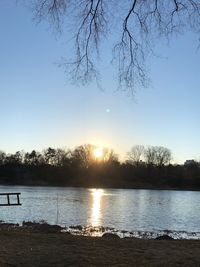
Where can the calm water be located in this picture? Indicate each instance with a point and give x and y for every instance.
(131, 210)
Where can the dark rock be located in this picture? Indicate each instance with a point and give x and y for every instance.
(164, 237)
(42, 227)
(8, 226)
(76, 227)
(28, 223)
(49, 228)
(110, 235)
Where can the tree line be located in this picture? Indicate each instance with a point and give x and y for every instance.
(84, 156)
(144, 167)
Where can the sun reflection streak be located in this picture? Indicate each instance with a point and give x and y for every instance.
(96, 206)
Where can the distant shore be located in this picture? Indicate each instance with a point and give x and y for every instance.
(108, 187)
(74, 172)
(26, 248)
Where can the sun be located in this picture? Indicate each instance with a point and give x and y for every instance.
(98, 152)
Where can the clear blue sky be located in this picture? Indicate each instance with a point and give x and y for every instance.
(40, 108)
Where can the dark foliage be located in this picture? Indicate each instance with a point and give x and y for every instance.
(79, 168)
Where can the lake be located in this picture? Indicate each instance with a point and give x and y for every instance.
(136, 211)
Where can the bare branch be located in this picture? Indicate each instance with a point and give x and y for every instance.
(143, 23)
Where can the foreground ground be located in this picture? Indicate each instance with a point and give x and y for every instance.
(59, 249)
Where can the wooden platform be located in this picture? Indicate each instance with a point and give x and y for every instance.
(10, 199)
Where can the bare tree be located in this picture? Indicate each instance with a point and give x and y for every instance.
(157, 155)
(136, 154)
(109, 156)
(139, 24)
(62, 157)
(84, 156)
(163, 156)
(150, 155)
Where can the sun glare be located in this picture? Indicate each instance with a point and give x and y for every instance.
(98, 152)
(97, 195)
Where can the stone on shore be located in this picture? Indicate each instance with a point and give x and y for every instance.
(164, 237)
(110, 235)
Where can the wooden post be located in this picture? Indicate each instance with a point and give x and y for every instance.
(18, 199)
(8, 198)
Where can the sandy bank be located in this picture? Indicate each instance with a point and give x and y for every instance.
(19, 248)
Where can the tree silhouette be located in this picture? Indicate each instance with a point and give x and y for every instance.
(2, 157)
(34, 158)
(136, 154)
(82, 156)
(157, 155)
(137, 25)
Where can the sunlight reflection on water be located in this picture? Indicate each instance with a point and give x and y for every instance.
(95, 219)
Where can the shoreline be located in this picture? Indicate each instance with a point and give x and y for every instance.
(96, 231)
(104, 187)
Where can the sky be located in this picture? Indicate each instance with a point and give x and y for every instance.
(40, 107)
